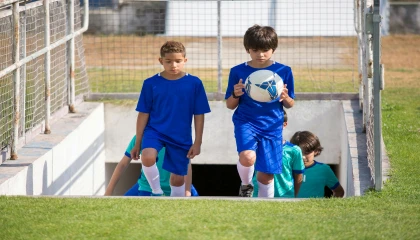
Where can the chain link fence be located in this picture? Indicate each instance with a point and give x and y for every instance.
(368, 19)
(316, 38)
(33, 93)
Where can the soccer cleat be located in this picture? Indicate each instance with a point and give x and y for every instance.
(246, 190)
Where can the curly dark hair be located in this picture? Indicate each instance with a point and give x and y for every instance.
(307, 141)
(172, 47)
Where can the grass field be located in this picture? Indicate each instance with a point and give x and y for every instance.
(393, 213)
(119, 64)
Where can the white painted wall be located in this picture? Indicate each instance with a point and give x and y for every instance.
(320, 117)
(69, 161)
(289, 18)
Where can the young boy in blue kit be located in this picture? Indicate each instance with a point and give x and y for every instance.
(142, 187)
(287, 184)
(317, 175)
(259, 125)
(168, 102)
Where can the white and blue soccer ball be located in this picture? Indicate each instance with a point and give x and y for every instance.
(264, 86)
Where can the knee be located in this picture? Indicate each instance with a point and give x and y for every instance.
(247, 158)
(265, 178)
(176, 180)
(148, 158)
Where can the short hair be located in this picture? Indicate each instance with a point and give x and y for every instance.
(261, 38)
(172, 47)
(307, 141)
(284, 115)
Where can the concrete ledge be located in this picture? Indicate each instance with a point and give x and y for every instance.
(69, 161)
(357, 162)
(221, 96)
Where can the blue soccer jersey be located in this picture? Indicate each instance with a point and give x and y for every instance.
(163, 174)
(264, 117)
(171, 105)
(315, 178)
(292, 164)
(259, 125)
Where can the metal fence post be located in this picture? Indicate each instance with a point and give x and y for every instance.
(23, 55)
(72, 87)
(16, 80)
(368, 62)
(377, 126)
(47, 64)
(358, 27)
(219, 49)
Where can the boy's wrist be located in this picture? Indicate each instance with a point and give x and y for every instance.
(234, 96)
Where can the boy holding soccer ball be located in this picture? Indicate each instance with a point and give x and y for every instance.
(287, 184)
(168, 102)
(259, 125)
(317, 175)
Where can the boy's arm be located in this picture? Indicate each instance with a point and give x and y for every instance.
(338, 192)
(142, 119)
(119, 170)
(233, 101)
(297, 182)
(199, 127)
(188, 181)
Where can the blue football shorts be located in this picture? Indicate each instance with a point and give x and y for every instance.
(176, 160)
(268, 151)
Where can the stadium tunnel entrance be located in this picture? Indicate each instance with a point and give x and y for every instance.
(223, 180)
(82, 164)
(337, 123)
(216, 180)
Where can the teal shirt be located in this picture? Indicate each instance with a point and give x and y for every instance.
(163, 174)
(284, 186)
(315, 178)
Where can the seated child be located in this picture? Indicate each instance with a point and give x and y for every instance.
(317, 175)
(142, 187)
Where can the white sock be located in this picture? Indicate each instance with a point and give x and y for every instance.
(245, 173)
(266, 190)
(152, 176)
(178, 191)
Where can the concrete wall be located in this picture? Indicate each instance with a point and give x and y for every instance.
(338, 124)
(404, 18)
(139, 18)
(324, 118)
(219, 147)
(69, 161)
(79, 157)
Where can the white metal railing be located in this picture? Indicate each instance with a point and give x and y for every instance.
(20, 60)
(368, 20)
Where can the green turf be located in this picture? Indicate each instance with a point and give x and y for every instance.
(371, 217)
(105, 80)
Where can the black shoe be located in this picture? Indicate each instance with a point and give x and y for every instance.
(246, 190)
